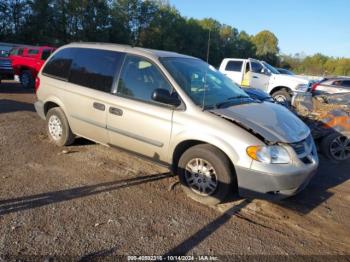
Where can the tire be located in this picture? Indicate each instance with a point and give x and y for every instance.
(226, 181)
(58, 128)
(330, 142)
(282, 96)
(27, 80)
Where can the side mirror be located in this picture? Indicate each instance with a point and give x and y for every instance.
(265, 71)
(164, 96)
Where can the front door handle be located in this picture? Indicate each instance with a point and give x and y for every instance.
(115, 111)
(255, 77)
(99, 106)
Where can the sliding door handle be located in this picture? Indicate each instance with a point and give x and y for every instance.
(99, 106)
(115, 111)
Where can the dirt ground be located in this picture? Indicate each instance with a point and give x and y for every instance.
(88, 201)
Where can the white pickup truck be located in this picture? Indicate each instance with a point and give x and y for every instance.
(259, 74)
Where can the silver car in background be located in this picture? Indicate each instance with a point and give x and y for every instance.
(178, 111)
(333, 85)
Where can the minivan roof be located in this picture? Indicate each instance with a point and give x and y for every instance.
(127, 48)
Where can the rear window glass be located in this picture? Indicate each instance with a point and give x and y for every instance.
(235, 66)
(95, 68)
(59, 65)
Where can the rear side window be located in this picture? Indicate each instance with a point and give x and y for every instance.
(95, 68)
(59, 65)
(235, 66)
(33, 51)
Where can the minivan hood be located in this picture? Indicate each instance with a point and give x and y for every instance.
(273, 122)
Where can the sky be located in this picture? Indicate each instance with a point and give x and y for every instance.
(301, 26)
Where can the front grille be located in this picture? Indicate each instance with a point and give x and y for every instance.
(304, 149)
(299, 148)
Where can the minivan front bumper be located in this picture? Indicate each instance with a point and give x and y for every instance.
(279, 181)
(277, 185)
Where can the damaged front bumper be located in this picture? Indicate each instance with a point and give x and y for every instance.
(254, 183)
(278, 181)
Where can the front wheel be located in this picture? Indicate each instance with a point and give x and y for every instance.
(336, 146)
(58, 128)
(206, 175)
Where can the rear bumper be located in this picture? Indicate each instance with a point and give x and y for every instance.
(39, 108)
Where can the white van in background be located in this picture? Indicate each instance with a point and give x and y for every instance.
(259, 74)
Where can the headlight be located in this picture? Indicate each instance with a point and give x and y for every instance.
(302, 87)
(269, 154)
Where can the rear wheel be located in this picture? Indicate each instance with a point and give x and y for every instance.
(336, 146)
(206, 175)
(58, 128)
(27, 80)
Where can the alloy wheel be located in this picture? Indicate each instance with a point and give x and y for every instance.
(340, 148)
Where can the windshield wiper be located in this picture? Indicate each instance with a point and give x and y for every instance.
(231, 100)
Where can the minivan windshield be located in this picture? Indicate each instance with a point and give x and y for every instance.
(270, 67)
(206, 86)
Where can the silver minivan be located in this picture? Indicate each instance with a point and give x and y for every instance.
(178, 111)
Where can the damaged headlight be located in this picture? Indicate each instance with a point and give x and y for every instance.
(269, 154)
(302, 88)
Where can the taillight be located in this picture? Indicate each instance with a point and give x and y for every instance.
(37, 84)
(314, 86)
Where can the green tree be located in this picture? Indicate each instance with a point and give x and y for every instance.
(13, 15)
(245, 48)
(165, 30)
(39, 22)
(139, 15)
(266, 44)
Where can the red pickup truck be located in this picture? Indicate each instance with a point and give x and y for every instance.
(27, 61)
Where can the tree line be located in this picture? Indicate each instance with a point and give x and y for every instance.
(317, 64)
(146, 23)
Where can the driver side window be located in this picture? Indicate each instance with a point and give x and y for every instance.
(256, 67)
(139, 78)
